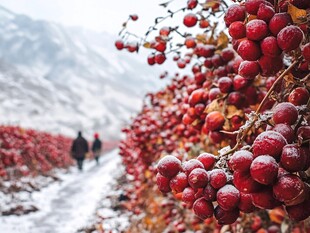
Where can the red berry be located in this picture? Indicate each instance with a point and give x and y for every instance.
(306, 52)
(179, 182)
(188, 195)
(196, 97)
(264, 199)
(269, 142)
(164, 31)
(301, 4)
(151, 59)
(227, 54)
(160, 58)
(264, 169)
(191, 4)
(249, 69)
(169, 166)
(209, 193)
(249, 50)
(119, 44)
(265, 12)
(279, 21)
(236, 98)
(215, 120)
(241, 161)
(190, 42)
(217, 178)
(225, 84)
(252, 6)
(203, 208)
(286, 131)
(240, 82)
(237, 30)
(198, 178)
(269, 46)
(285, 113)
(204, 50)
(228, 197)
(234, 13)
(245, 183)
(270, 65)
(134, 17)
(214, 93)
(289, 38)
(299, 96)
(256, 29)
(288, 188)
(300, 211)
(217, 60)
(224, 217)
(245, 203)
(208, 160)
(292, 159)
(190, 165)
(163, 183)
(190, 20)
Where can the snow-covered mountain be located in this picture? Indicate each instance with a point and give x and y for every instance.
(64, 79)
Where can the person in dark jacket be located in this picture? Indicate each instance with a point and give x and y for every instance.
(96, 147)
(79, 149)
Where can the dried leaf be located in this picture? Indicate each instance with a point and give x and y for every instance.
(201, 38)
(298, 15)
(211, 4)
(196, 122)
(147, 45)
(277, 215)
(222, 41)
(213, 106)
(232, 111)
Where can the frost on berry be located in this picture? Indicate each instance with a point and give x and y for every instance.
(269, 143)
(169, 166)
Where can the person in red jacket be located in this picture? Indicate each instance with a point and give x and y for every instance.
(79, 149)
(96, 147)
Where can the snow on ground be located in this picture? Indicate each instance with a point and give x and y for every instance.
(68, 205)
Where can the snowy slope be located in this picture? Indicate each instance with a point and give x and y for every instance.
(65, 79)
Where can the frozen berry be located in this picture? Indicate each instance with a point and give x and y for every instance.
(209, 193)
(245, 203)
(245, 183)
(237, 30)
(241, 161)
(179, 182)
(215, 120)
(300, 211)
(218, 178)
(264, 169)
(234, 13)
(270, 65)
(269, 142)
(292, 159)
(256, 29)
(249, 69)
(306, 52)
(208, 160)
(190, 20)
(289, 38)
(252, 6)
(285, 113)
(278, 22)
(225, 84)
(169, 166)
(299, 96)
(264, 199)
(265, 12)
(203, 208)
(224, 217)
(190, 165)
(228, 197)
(198, 178)
(269, 46)
(286, 131)
(249, 50)
(163, 183)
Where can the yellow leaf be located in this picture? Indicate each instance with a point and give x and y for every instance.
(232, 111)
(298, 15)
(147, 174)
(222, 41)
(210, 4)
(201, 38)
(213, 106)
(147, 45)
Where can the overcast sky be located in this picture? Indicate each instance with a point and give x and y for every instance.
(99, 15)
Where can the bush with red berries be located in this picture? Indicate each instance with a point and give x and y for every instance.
(230, 141)
(27, 152)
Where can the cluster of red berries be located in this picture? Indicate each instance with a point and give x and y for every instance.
(261, 41)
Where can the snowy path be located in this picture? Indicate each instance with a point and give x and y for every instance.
(66, 206)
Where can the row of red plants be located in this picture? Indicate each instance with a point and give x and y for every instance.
(228, 145)
(28, 152)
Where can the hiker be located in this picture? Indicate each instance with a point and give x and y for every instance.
(79, 149)
(96, 147)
